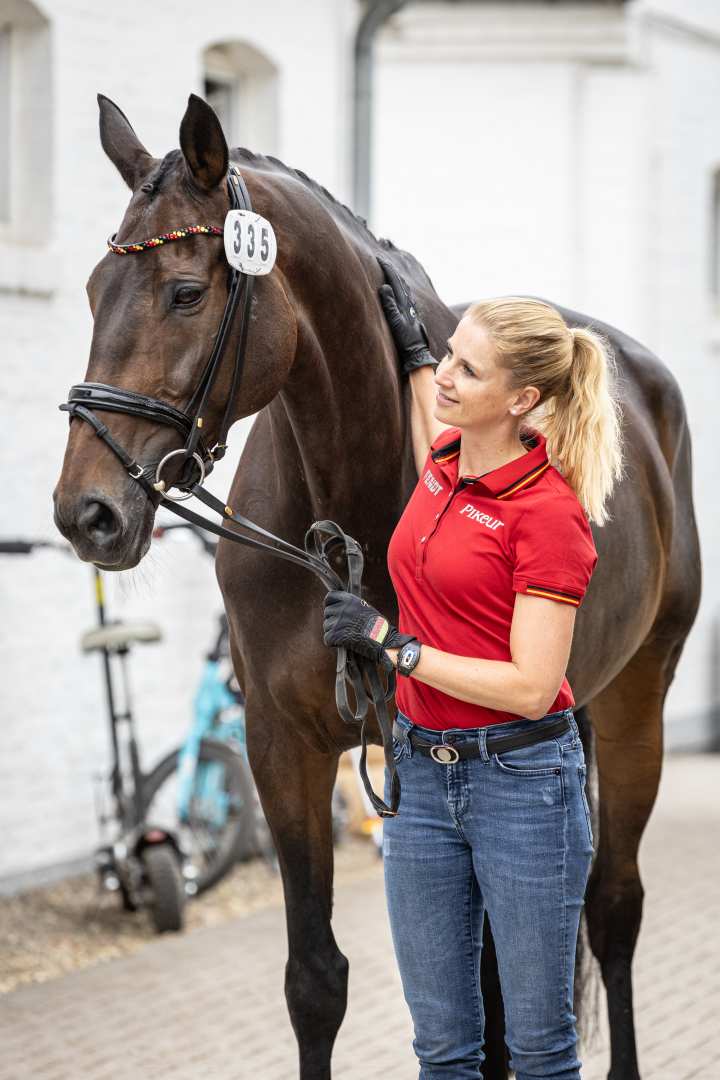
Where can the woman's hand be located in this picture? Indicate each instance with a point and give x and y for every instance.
(406, 327)
(351, 622)
(416, 362)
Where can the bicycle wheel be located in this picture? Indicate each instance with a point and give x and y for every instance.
(220, 825)
(166, 886)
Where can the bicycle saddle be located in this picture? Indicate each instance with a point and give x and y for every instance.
(117, 636)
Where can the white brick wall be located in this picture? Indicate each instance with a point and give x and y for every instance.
(681, 324)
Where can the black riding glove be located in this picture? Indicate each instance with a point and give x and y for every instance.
(406, 327)
(351, 622)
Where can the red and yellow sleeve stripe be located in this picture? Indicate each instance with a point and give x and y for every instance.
(553, 594)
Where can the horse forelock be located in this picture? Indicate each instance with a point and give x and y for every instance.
(154, 182)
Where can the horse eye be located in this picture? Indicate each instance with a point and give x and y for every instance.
(187, 295)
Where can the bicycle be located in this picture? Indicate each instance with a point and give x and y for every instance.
(153, 863)
(140, 860)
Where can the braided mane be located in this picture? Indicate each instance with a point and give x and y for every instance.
(358, 224)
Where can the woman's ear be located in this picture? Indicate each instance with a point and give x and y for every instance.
(525, 401)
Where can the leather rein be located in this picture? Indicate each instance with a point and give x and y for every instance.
(321, 539)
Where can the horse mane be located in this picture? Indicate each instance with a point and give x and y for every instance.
(358, 225)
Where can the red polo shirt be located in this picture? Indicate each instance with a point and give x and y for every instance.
(462, 549)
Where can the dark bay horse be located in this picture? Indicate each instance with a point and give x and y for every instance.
(331, 441)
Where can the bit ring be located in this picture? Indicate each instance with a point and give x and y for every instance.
(159, 484)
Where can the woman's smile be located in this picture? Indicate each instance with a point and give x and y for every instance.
(442, 399)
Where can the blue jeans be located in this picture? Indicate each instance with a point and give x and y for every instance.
(506, 834)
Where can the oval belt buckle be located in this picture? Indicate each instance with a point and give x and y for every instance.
(444, 755)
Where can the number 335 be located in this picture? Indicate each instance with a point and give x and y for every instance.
(248, 249)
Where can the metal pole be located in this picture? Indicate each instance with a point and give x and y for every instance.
(115, 774)
(376, 14)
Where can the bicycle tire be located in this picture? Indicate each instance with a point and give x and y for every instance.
(166, 886)
(223, 847)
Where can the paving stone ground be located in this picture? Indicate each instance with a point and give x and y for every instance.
(209, 1005)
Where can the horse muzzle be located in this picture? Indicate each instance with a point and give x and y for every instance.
(103, 531)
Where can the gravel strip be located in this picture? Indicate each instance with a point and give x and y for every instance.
(48, 932)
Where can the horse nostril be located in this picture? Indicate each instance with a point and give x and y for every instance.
(99, 523)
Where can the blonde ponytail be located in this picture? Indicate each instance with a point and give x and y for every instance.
(582, 425)
(575, 372)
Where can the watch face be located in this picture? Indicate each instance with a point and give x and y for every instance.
(408, 656)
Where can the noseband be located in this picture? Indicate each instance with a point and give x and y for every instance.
(85, 399)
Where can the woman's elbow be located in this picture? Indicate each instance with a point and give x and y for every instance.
(540, 702)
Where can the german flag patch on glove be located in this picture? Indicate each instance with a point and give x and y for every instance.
(378, 630)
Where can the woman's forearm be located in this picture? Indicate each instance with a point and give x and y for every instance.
(425, 428)
(494, 684)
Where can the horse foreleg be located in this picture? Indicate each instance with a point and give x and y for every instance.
(295, 785)
(627, 718)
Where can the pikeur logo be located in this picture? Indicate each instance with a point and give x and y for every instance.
(482, 519)
(431, 483)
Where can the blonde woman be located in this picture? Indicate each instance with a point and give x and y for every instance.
(490, 561)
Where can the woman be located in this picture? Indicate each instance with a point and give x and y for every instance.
(490, 561)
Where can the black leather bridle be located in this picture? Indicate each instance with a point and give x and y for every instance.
(85, 399)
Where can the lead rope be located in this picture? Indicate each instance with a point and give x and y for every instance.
(358, 668)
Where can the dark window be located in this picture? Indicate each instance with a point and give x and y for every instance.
(221, 95)
(715, 238)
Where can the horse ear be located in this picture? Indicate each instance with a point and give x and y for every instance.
(121, 144)
(203, 144)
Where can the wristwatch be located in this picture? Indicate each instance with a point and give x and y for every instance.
(408, 657)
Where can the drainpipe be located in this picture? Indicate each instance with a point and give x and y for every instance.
(377, 13)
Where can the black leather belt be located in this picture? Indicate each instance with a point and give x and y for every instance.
(457, 747)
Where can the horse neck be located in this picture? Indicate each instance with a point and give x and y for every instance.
(343, 406)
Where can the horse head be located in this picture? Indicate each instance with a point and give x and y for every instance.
(156, 316)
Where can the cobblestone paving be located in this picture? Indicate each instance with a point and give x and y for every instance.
(209, 1005)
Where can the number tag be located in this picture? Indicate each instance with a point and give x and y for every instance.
(250, 244)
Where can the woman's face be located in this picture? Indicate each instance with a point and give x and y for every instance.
(472, 391)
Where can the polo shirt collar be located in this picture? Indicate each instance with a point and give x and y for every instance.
(501, 483)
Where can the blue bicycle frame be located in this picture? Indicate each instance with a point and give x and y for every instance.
(217, 714)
